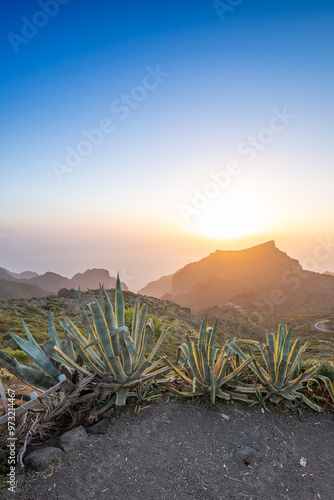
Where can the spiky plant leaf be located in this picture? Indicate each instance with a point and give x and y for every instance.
(33, 350)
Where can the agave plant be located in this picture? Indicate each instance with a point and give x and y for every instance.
(281, 376)
(330, 387)
(45, 371)
(110, 350)
(146, 391)
(207, 369)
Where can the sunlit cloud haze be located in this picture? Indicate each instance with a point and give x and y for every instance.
(142, 136)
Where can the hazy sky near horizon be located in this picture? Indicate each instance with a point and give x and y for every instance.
(139, 136)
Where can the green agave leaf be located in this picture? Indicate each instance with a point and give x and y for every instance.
(135, 322)
(139, 339)
(119, 374)
(154, 373)
(222, 362)
(204, 362)
(329, 384)
(7, 361)
(179, 373)
(52, 332)
(119, 303)
(101, 328)
(281, 371)
(247, 388)
(213, 383)
(92, 343)
(97, 355)
(35, 377)
(223, 394)
(158, 345)
(295, 357)
(129, 344)
(29, 374)
(33, 350)
(70, 362)
(202, 335)
(121, 396)
(90, 362)
(89, 330)
(142, 347)
(66, 346)
(240, 397)
(48, 347)
(182, 354)
(187, 394)
(311, 404)
(191, 355)
(135, 317)
(301, 378)
(111, 322)
(234, 373)
(272, 356)
(212, 338)
(281, 336)
(263, 350)
(126, 358)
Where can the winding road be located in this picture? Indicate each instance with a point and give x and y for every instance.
(320, 326)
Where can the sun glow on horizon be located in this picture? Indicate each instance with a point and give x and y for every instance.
(232, 218)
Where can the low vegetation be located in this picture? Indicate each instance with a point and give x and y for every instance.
(206, 369)
(280, 375)
(118, 354)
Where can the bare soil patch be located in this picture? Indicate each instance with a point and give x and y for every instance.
(179, 451)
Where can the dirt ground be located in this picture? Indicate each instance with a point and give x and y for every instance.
(181, 451)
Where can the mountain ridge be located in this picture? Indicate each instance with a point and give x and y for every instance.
(23, 275)
(261, 277)
(159, 287)
(50, 283)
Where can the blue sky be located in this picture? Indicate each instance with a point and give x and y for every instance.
(121, 206)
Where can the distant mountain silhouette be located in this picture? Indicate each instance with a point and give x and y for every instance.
(51, 283)
(261, 276)
(92, 278)
(24, 275)
(6, 275)
(159, 287)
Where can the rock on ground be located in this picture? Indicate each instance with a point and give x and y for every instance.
(41, 458)
(101, 427)
(73, 439)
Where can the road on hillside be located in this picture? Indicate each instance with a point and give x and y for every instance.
(320, 326)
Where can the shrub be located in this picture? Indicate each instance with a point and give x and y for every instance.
(207, 369)
(282, 376)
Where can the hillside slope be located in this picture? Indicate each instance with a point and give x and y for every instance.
(261, 278)
(158, 288)
(35, 314)
(13, 290)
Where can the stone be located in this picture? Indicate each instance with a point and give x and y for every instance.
(246, 454)
(39, 459)
(101, 427)
(72, 439)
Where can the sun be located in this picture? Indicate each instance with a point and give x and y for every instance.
(228, 219)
